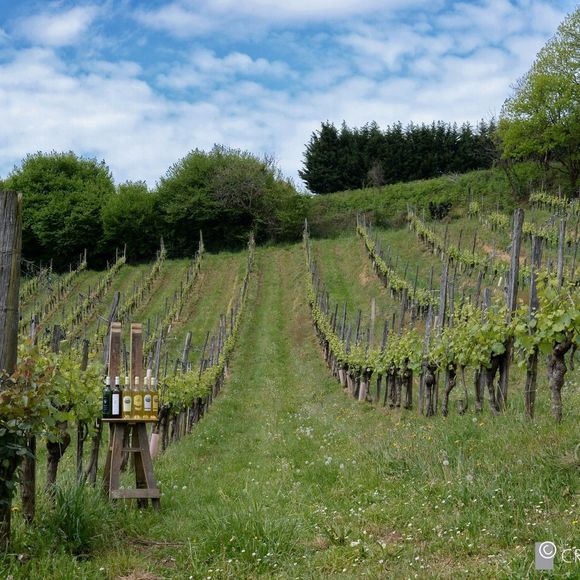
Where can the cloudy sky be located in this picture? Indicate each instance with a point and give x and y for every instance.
(141, 83)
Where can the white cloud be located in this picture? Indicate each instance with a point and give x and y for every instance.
(204, 70)
(191, 18)
(457, 66)
(176, 19)
(54, 28)
(377, 51)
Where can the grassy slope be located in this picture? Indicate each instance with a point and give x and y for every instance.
(220, 276)
(329, 214)
(349, 277)
(286, 477)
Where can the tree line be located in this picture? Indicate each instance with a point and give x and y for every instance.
(72, 204)
(343, 158)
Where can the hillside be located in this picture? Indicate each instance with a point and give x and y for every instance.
(287, 476)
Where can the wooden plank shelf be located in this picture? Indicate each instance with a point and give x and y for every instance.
(135, 494)
(129, 421)
(129, 435)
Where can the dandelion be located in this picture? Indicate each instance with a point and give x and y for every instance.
(446, 462)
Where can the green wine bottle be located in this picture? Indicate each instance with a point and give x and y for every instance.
(107, 395)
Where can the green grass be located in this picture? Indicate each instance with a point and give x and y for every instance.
(386, 206)
(219, 279)
(348, 275)
(286, 477)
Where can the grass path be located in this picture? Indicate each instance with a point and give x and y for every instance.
(288, 478)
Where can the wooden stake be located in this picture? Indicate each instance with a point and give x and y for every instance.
(561, 243)
(511, 304)
(10, 252)
(373, 319)
(534, 304)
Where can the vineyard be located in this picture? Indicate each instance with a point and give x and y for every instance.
(457, 338)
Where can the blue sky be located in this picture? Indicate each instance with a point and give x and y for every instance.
(139, 84)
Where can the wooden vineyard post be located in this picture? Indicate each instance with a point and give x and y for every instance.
(534, 304)
(146, 485)
(561, 244)
(502, 392)
(10, 248)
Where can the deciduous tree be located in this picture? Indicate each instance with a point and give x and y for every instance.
(541, 120)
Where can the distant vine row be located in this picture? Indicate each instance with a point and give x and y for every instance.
(570, 207)
(63, 287)
(397, 283)
(186, 394)
(83, 309)
(180, 299)
(140, 293)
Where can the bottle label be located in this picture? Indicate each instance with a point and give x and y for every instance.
(127, 404)
(137, 405)
(147, 403)
(155, 405)
(107, 405)
(116, 404)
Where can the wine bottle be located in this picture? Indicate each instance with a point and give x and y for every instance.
(154, 399)
(147, 402)
(127, 399)
(137, 400)
(107, 398)
(116, 400)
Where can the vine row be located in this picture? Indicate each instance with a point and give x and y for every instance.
(483, 339)
(180, 298)
(400, 287)
(84, 308)
(186, 394)
(63, 287)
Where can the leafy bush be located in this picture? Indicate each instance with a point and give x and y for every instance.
(63, 197)
(438, 211)
(130, 217)
(225, 193)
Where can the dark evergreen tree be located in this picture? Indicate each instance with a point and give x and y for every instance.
(322, 171)
(359, 157)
